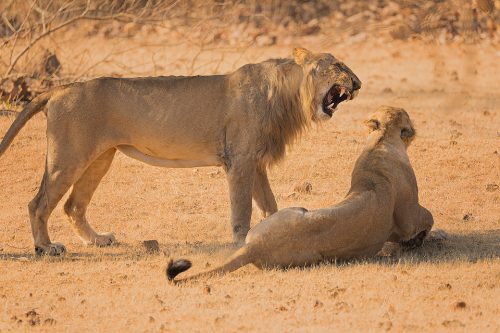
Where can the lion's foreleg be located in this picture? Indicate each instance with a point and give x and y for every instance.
(240, 177)
(262, 193)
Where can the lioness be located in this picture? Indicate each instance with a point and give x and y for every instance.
(381, 205)
(242, 121)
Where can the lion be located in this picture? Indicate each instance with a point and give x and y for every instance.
(242, 121)
(381, 205)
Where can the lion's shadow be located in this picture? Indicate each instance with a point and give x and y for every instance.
(471, 247)
(124, 251)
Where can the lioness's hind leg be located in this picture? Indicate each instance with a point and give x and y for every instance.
(54, 185)
(81, 194)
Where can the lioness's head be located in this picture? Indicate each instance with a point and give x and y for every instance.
(328, 82)
(392, 121)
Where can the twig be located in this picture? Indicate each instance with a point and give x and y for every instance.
(4, 112)
(38, 38)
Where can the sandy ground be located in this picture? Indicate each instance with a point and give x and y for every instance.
(451, 93)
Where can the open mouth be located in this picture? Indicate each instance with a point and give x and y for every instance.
(335, 96)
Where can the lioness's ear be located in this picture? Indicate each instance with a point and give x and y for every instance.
(407, 132)
(301, 55)
(373, 124)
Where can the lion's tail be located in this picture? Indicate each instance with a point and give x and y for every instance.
(35, 106)
(239, 259)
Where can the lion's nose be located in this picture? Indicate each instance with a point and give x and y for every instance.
(356, 85)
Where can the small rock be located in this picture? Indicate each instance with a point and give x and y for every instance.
(318, 304)
(490, 188)
(304, 188)
(31, 313)
(207, 289)
(460, 305)
(468, 217)
(387, 90)
(151, 246)
(151, 319)
(445, 286)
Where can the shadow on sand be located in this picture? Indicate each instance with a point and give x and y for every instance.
(471, 247)
(121, 251)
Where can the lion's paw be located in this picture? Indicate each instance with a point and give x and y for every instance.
(438, 235)
(53, 249)
(104, 239)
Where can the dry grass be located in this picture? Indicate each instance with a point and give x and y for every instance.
(451, 94)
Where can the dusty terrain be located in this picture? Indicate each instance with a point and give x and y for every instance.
(451, 92)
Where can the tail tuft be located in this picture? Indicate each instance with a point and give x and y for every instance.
(176, 267)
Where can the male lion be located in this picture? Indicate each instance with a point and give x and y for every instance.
(242, 121)
(381, 205)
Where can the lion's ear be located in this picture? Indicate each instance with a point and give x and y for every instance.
(301, 55)
(372, 124)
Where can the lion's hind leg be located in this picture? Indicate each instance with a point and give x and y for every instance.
(39, 210)
(55, 183)
(81, 194)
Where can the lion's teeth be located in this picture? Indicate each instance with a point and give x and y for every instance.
(342, 92)
(330, 105)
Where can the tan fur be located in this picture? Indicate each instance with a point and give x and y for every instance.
(381, 205)
(242, 121)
